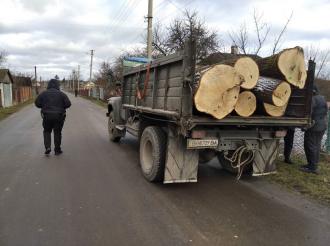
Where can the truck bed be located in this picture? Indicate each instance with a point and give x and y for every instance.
(169, 95)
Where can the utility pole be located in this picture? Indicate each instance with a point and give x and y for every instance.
(78, 78)
(149, 40)
(35, 74)
(91, 66)
(73, 79)
(36, 80)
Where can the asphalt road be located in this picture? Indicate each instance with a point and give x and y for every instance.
(94, 194)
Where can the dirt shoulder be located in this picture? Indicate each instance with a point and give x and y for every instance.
(96, 101)
(310, 185)
(5, 112)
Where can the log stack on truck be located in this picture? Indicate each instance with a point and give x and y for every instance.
(236, 109)
(235, 84)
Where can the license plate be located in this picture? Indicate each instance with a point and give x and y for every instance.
(202, 143)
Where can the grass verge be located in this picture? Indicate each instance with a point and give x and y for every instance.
(96, 101)
(5, 112)
(311, 185)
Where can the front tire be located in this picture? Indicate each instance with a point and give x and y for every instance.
(153, 144)
(114, 135)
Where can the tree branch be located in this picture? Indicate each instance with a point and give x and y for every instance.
(277, 40)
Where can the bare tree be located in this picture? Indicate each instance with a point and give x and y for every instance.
(322, 60)
(104, 75)
(262, 30)
(240, 38)
(171, 39)
(280, 35)
(253, 43)
(159, 41)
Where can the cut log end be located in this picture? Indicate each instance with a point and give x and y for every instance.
(281, 94)
(273, 91)
(291, 63)
(248, 68)
(218, 91)
(275, 111)
(246, 104)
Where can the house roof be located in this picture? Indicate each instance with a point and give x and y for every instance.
(22, 81)
(4, 72)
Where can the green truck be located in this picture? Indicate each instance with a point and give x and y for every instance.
(156, 106)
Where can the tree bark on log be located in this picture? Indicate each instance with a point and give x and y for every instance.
(273, 91)
(218, 90)
(274, 111)
(246, 104)
(288, 65)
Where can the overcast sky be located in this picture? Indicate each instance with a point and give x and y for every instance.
(56, 35)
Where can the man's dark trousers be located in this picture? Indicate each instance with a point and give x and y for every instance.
(312, 145)
(288, 143)
(53, 122)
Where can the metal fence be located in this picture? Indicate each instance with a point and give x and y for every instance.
(298, 144)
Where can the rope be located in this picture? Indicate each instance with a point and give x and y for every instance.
(140, 95)
(237, 158)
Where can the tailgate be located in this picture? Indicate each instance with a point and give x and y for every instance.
(264, 121)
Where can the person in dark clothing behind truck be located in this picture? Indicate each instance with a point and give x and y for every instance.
(53, 104)
(313, 135)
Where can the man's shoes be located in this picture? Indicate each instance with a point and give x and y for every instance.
(309, 170)
(47, 152)
(288, 161)
(58, 152)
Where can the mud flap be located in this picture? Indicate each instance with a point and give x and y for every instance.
(181, 164)
(265, 157)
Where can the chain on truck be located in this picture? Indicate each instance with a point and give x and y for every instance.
(156, 106)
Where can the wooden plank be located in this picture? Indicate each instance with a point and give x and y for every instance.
(161, 92)
(173, 103)
(176, 81)
(166, 86)
(160, 102)
(155, 87)
(152, 111)
(174, 92)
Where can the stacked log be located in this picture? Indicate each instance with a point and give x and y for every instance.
(276, 111)
(234, 84)
(288, 65)
(246, 104)
(218, 90)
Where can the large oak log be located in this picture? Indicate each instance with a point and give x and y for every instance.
(272, 91)
(288, 65)
(247, 67)
(218, 91)
(274, 111)
(246, 104)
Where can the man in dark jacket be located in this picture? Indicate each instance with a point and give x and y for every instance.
(313, 136)
(53, 104)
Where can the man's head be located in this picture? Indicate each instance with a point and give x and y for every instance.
(315, 90)
(53, 83)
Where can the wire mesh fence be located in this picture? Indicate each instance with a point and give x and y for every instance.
(298, 143)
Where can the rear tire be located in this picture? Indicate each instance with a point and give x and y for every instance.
(153, 144)
(114, 135)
